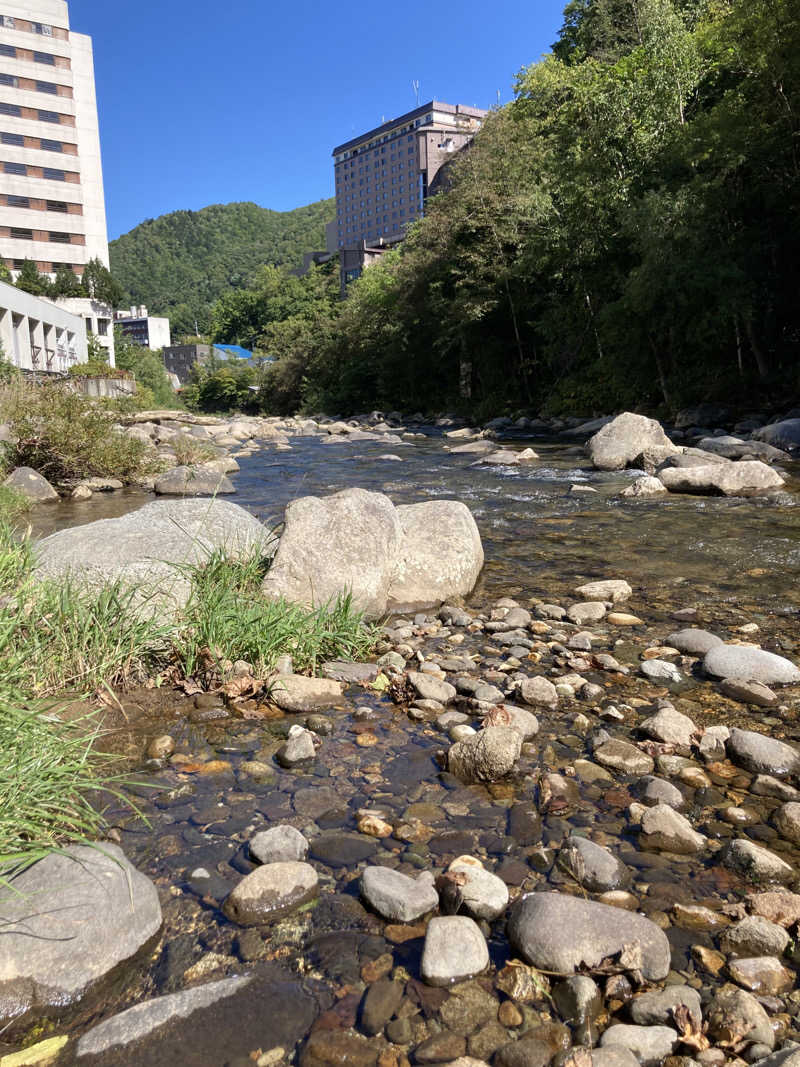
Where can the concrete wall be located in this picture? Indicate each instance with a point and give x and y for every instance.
(37, 334)
(105, 387)
(98, 319)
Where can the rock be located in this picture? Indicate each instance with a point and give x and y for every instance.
(660, 670)
(395, 896)
(664, 828)
(342, 850)
(539, 692)
(590, 611)
(387, 558)
(557, 932)
(655, 1007)
(756, 862)
(141, 1020)
(429, 688)
(81, 492)
(504, 457)
(468, 1007)
(784, 434)
(670, 726)
(477, 447)
(781, 906)
(735, 1016)
(279, 844)
(299, 748)
(787, 821)
(482, 894)
(694, 642)
(296, 692)
(524, 722)
(613, 1056)
(593, 866)
(535, 1048)
(486, 757)
(333, 1048)
(614, 589)
(440, 555)
(754, 936)
(650, 1044)
(620, 441)
(193, 481)
(271, 891)
(646, 486)
(31, 485)
(764, 975)
(722, 479)
(455, 949)
(623, 618)
(442, 1047)
(747, 664)
(92, 910)
(147, 550)
(748, 693)
(381, 1001)
(350, 673)
(656, 791)
(762, 755)
(623, 756)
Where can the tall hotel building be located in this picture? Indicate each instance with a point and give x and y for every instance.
(384, 177)
(52, 208)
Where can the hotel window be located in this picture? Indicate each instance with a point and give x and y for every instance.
(8, 21)
(57, 205)
(48, 116)
(9, 79)
(53, 175)
(18, 201)
(8, 50)
(15, 168)
(59, 238)
(42, 28)
(19, 264)
(13, 138)
(51, 146)
(21, 234)
(47, 87)
(10, 109)
(44, 57)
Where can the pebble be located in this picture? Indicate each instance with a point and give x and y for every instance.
(455, 949)
(278, 844)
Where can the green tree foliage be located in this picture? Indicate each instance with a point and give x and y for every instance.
(182, 263)
(31, 281)
(99, 284)
(66, 283)
(154, 388)
(625, 233)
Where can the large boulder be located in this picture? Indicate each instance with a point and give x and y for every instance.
(193, 481)
(747, 664)
(147, 550)
(722, 479)
(487, 756)
(67, 921)
(387, 558)
(440, 555)
(620, 441)
(784, 434)
(557, 932)
(31, 485)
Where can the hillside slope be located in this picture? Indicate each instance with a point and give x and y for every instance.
(180, 263)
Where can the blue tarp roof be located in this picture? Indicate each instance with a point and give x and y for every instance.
(236, 350)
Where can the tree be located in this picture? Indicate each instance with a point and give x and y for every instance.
(99, 284)
(147, 368)
(66, 283)
(31, 281)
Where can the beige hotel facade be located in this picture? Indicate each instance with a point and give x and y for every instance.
(52, 205)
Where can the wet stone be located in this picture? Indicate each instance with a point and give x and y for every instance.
(763, 975)
(381, 1001)
(326, 1048)
(623, 756)
(762, 755)
(443, 1047)
(536, 1048)
(694, 642)
(735, 1015)
(270, 892)
(593, 866)
(754, 936)
(454, 949)
(757, 863)
(279, 843)
(342, 850)
(468, 1007)
(656, 1007)
(396, 896)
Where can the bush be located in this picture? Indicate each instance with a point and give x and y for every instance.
(65, 436)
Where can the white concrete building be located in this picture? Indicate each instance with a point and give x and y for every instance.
(98, 319)
(150, 331)
(52, 205)
(39, 335)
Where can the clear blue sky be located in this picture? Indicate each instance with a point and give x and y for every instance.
(204, 103)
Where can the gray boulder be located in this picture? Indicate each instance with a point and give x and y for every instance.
(614, 589)
(556, 932)
(620, 441)
(32, 485)
(487, 756)
(455, 949)
(757, 863)
(760, 696)
(736, 448)
(593, 866)
(483, 895)
(646, 486)
(747, 664)
(655, 1007)
(429, 688)
(279, 844)
(761, 754)
(694, 642)
(271, 891)
(193, 481)
(148, 549)
(722, 479)
(143, 1019)
(539, 692)
(784, 434)
(70, 919)
(670, 726)
(664, 828)
(395, 896)
(297, 692)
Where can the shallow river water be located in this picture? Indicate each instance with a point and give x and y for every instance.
(735, 561)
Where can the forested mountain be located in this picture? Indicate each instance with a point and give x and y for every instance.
(624, 233)
(181, 263)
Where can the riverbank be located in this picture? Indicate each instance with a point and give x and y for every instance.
(373, 792)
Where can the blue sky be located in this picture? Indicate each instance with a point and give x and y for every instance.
(204, 103)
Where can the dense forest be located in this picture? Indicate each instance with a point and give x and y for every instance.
(626, 232)
(181, 263)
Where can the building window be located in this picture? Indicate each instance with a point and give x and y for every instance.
(10, 109)
(59, 238)
(9, 79)
(8, 21)
(57, 205)
(102, 327)
(62, 266)
(42, 28)
(48, 116)
(88, 324)
(13, 138)
(44, 57)
(19, 264)
(15, 168)
(21, 234)
(51, 146)
(53, 175)
(18, 201)
(8, 50)
(47, 87)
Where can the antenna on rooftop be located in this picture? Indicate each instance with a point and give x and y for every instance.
(415, 87)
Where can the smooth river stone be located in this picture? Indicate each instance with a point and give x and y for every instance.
(747, 664)
(271, 891)
(455, 949)
(397, 897)
(762, 755)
